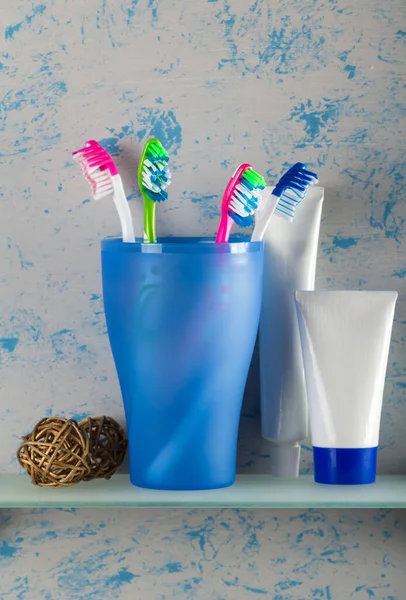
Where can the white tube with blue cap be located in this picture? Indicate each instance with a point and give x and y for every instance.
(345, 340)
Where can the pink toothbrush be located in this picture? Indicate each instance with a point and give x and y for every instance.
(240, 200)
(102, 174)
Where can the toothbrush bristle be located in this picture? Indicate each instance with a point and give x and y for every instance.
(155, 174)
(245, 197)
(292, 189)
(98, 168)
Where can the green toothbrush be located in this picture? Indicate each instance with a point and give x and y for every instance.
(154, 177)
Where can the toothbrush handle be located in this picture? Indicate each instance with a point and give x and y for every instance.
(123, 210)
(263, 216)
(224, 230)
(149, 220)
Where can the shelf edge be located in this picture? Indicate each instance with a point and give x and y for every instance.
(249, 491)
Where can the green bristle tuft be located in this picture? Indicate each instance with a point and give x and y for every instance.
(254, 178)
(157, 151)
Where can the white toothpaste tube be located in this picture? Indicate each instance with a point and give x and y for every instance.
(345, 341)
(290, 264)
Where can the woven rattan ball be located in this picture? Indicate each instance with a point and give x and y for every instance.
(108, 445)
(55, 453)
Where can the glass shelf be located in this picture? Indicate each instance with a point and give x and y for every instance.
(251, 491)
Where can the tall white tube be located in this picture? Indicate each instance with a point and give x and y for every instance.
(345, 340)
(290, 264)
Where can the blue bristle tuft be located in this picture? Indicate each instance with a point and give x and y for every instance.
(154, 158)
(156, 196)
(247, 184)
(241, 221)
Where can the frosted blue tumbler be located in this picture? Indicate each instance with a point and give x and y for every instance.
(182, 317)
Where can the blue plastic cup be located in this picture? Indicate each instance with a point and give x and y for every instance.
(182, 317)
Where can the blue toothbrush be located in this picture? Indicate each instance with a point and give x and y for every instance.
(288, 193)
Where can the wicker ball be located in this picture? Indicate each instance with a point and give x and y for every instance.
(108, 445)
(55, 453)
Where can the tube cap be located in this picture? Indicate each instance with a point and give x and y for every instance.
(284, 460)
(345, 466)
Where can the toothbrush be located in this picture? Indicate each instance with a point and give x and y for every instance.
(288, 193)
(240, 200)
(154, 177)
(102, 174)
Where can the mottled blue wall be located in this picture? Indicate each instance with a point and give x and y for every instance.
(220, 82)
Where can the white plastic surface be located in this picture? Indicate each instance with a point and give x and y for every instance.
(290, 264)
(123, 209)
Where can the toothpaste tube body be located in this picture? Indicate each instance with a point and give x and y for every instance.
(345, 341)
(290, 264)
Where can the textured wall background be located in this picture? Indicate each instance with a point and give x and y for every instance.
(220, 82)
